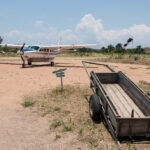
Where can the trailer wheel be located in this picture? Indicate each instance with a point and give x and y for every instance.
(95, 108)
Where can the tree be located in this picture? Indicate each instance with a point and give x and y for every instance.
(119, 48)
(139, 49)
(110, 48)
(104, 50)
(1, 39)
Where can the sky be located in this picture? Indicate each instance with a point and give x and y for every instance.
(101, 22)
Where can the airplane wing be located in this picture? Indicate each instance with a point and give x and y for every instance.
(52, 47)
(12, 46)
(63, 47)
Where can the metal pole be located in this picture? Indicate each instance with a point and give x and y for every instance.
(61, 82)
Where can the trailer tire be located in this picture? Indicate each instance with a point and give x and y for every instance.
(95, 108)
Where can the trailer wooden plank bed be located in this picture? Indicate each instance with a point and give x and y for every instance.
(123, 105)
(122, 101)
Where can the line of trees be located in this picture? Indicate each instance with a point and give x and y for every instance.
(115, 49)
(120, 49)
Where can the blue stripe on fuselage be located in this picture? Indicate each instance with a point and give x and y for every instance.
(26, 50)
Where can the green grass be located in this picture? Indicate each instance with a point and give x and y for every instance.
(9, 55)
(57, 137)
(57, 108)
(81, 132)
(68, 128)
(28, 101)
(56, 124)
(28, 104)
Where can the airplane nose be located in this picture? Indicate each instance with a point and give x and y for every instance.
(18, 52)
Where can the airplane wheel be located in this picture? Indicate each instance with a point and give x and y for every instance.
(52, 63)
(23, 65)
(29, 63)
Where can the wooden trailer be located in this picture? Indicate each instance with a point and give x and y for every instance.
(123, 105)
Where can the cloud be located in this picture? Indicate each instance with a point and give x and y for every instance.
(39, 23)
(91, 28)
(88, 30)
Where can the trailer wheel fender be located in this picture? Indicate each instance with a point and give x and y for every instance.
(95, 108)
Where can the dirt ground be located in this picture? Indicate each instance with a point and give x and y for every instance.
(21, 129)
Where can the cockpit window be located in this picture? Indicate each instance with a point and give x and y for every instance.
(34, 47)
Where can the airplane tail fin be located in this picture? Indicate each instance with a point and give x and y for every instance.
(60, 41)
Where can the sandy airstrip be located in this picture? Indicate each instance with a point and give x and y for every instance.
(21, 129)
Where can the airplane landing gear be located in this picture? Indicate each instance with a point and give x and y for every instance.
(29, 63)
(52, 63)
(23, 65)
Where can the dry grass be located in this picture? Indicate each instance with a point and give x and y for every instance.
(148, 68)
(126, 59)
(145, 86)
(68, 112)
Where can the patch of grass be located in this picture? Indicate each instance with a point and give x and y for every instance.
(56, 124)
(134, 67)
(28, 102)
(57, 137)
(145, 86)
(9, 54)
(45, 113)
(81, 132)
(66, 112)
(68, 128)
(91, 140)
(68, 93)
(57, 108)
(68, 90)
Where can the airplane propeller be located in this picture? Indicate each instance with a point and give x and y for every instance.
(22, 46)
(21, 50)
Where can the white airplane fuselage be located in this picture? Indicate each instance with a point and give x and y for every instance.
(37, 53)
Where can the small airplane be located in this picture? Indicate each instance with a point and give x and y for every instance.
(39, 53)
